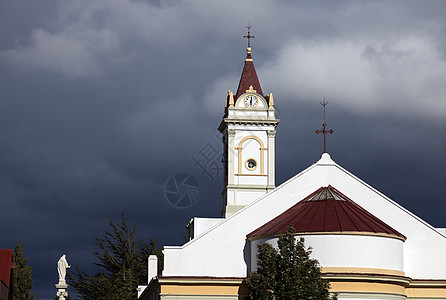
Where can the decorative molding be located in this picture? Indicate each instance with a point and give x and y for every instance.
(253, 137)
(262, 150)
(244, 121)
(198, 279)
(251, 175)
(368, 295)
(251, 90)
(347, 270)
(231, 98)
(271, 100)
(256, 164)
(271, 133)
(257, 188)
(231, 132)
(384, 235)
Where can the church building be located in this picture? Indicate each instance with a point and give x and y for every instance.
(369, 246)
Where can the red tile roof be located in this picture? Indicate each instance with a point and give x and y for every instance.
(5, 265)
(249, 77)
(326, 210)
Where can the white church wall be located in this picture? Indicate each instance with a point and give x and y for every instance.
(231, 196)
(248, 180)
(441, 230)
(246, 114)
(248, 197)
(223, 250)
(354, 251)
(200, 225)
(424, 249)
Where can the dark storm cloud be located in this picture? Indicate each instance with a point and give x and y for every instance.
(101, 101)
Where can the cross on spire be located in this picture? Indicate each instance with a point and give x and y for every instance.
(249, 36)
(324, 130)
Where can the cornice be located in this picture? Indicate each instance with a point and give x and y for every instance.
(365, 277)
(200, 280)
(361, 233)
(244, 121)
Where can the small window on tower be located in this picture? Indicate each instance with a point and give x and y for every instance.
(251, 164)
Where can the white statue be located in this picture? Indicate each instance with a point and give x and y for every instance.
(62, 266)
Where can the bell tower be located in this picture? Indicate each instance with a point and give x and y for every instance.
(249, 129)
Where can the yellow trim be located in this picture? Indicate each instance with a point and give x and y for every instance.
(201, 280)
(262, 154)
(251, 89)
(271, 100)
(362, 271)
(427, 289)
(393, 236)
(231, 98)
(355, 277)
(202, 286)
(239, 153)
(255, 166)
(428, 283)
(199, 290)
(430, 293)
(371, 287)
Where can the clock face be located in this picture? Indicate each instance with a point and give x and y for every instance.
(251, 101)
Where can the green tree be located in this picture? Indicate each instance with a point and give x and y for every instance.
(22, 275)
(287, 274)
(121, 262)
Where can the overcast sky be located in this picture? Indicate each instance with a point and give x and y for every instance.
(101, 101)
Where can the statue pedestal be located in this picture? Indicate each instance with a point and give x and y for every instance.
(61, 290)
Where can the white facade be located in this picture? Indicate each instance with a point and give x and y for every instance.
(342, 251)
(359, 264)
(224, 251)
(249, 141)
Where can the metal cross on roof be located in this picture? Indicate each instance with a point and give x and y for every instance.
(249, 36)
(324, 130)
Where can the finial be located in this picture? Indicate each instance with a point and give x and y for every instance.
(231, 98)
(249, 37)
(324, 130)
(271, 100)
(251, 89)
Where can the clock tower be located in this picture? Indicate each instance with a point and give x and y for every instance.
(249, 129)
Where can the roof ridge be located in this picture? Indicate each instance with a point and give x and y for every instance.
(337, 215)
(347, 214)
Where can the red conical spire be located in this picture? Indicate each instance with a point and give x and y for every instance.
(249, 75)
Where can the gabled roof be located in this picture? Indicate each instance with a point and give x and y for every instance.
(326, 210)
(249, 77)
(220, 248)
(5, 265)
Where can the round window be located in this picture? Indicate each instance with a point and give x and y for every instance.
(251, 164)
